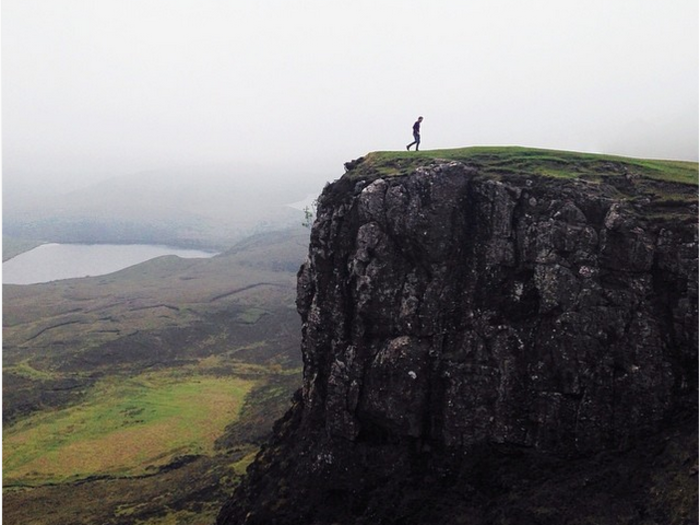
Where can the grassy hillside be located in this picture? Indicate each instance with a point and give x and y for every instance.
(124, 426)
(141, 396)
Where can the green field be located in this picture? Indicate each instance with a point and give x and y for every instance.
(125, 427)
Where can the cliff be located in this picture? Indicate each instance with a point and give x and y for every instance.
(492, 336)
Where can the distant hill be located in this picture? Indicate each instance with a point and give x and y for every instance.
(209, 207)
(12, 247)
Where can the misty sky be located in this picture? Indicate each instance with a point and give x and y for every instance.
(93, 88)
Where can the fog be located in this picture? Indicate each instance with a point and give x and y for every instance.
(93, 89)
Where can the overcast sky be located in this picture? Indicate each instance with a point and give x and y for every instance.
(92, 88)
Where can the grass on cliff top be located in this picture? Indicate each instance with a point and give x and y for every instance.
(528, 162)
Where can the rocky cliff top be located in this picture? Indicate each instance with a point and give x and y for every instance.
(474, 318)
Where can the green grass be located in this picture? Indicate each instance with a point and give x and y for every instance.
(240, 466)
(24, 369)
(126, 427)
(251, 315)
(528, 162)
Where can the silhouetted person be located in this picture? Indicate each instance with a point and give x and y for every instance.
(416, 134)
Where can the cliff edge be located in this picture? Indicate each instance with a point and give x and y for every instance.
(492, 336)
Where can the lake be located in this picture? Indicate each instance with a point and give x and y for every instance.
(50, 262)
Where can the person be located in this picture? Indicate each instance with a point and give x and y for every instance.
(416, 134)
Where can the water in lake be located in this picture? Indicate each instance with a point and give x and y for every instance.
(50, 262)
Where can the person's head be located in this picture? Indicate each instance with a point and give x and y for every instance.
(420, 119)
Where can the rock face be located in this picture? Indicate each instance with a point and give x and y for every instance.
(464, 337)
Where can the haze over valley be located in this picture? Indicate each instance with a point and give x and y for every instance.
(210, 207)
